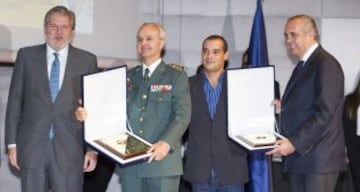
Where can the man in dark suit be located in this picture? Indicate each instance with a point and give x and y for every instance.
(311, 112)
(158, 109)
(213, 161)
(44, 140)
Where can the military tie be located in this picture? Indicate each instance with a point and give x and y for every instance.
(54, 83)
(146, 75)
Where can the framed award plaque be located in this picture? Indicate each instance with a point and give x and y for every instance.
(105, 128)
(251, 118)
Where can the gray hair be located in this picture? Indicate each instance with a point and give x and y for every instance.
(157, 25)
(309, 25)
(63, 11)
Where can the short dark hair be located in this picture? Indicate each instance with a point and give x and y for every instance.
(219, 37)
(63, 11)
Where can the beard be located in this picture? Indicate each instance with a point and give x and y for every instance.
(58, 43)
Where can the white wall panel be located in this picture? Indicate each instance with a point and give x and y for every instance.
(341, 38)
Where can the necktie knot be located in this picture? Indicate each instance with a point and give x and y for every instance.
(301, 63)
(299, 66)
(146, 75)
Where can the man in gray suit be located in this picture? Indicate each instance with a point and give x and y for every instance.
(44, 140)
(311, 112)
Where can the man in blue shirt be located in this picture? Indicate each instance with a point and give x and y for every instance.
(213, 161)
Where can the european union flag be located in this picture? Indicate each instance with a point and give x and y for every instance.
(260, 167)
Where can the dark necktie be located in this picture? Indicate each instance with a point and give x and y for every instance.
(297, 71)
(294, 76)
(146, 75)
(54, 84)
(299, 67)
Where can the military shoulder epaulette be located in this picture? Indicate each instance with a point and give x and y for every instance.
(177, 67)
(136, 68)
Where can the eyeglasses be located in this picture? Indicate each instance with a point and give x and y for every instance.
(54, 27)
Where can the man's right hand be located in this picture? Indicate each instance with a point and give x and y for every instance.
(277, 104)
(80, 112)
(13, 157)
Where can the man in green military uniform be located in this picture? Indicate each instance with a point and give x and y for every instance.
(158, 109)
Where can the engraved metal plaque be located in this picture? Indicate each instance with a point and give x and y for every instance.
(124, 145)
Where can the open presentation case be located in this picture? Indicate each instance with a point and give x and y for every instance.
(251, 118)
(105, 128)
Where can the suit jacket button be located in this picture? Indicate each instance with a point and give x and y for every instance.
(144, 96)
(141, 119)
(141, 131)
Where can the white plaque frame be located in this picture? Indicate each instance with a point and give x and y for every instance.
(104, 98)
(250, 93)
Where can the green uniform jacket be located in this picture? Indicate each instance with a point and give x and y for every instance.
(159, 110)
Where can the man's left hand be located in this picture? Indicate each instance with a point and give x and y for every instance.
(159, 151)
(90, 161)
(283, 148)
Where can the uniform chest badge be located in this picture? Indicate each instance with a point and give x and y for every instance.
(161, 88)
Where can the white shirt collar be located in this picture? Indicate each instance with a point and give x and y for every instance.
(309, 52)
(152, 67)
(62, 53)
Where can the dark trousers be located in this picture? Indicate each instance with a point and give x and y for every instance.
(49, 176)
(98, 180)
(313, 182)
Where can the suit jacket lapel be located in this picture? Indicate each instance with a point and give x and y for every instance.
(199, 85)
(223, 94)
(72, 64)
(71, 67)
(293, 81)
(40, 68)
